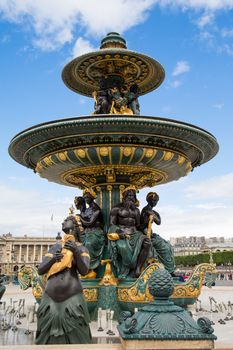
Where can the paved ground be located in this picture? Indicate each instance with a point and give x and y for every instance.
(221, 294)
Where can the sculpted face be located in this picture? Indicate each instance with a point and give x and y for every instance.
(68, 225)
(152, 199)
(153, 202)
(79, 201)
(88, 198)
(130, 198)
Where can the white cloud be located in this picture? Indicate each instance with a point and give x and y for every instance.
(227, 33)
(210, 206)
(5, 39)
(183, 216)
(226, 48)
(175, 84)
(207, 37)
(201, 4)
(27, 211)
(205, 19)
(181, 68)
(218, 105)
(54, 22)
(220, 187)
(196, 221)
(81, 46)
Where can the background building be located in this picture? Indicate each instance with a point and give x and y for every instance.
(17, 251)
(198, 244)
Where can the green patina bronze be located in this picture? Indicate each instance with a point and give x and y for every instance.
(161, 319)
(107, 151)
(91, 152)
(129, 293)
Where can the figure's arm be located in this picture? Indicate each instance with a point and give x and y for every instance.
(143, 220)
(48, 260)
(138, 226)
(81, 257)
(157, 218)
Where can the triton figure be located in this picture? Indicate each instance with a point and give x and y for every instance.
(129, 247)
(62, 317)
(160, 248)
(93, 237)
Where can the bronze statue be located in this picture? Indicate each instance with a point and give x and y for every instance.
(101, 97)
(132, 99)
(129, 247)
(92, 237)
(113, 97)
(160, 248)
(62, 317)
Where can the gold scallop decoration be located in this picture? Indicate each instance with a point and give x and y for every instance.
(80, 153)
(180, 159)
(48, 161)
(62, 156)
(127, 151)
(104, 151)
(39, 167)
(188, 167)
(168, 155)
(149, 152)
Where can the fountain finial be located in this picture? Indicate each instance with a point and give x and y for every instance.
(113, 40)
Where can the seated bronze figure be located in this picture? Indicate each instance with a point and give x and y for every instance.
(161, 249)
(129, 247)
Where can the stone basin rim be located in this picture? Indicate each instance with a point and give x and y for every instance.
(115, 117)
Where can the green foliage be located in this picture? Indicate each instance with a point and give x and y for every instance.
(219, 258)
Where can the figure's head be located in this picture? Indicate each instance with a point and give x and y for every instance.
(152, 198)
(129, 195)
(79, 202)
(89, 195)
(69, 226)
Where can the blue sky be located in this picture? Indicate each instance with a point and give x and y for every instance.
(193, 40)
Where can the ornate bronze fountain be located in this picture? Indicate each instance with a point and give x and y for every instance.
(113, 148)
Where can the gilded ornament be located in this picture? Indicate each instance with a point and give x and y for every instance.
(90, 294)
(168, 155)
(62, 156)
(121, 188)
(80, 153)
(89, 190)
(128, 188)
(108, 279)
(138, 291)
(188, 168)
(139, 176)
(103, 151)
(39, 167)
(48, 161)
(98, 189)
(127, 151)
(180, 159)
(149, 152)
(110, 175)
